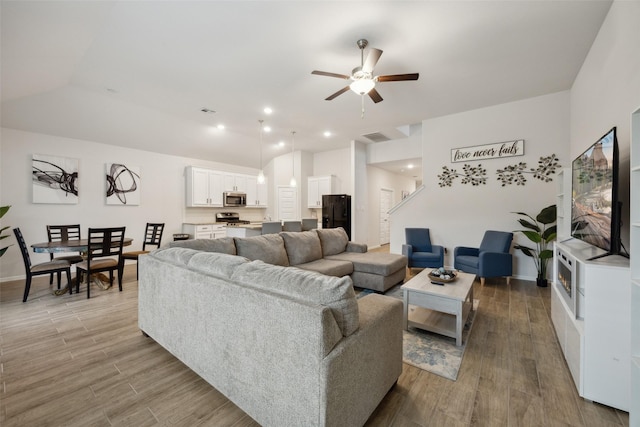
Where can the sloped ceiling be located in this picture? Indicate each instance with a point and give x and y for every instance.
(137, 73)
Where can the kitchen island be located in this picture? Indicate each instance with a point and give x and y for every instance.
(244, 230)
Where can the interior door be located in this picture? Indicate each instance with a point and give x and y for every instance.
(386, 203)
(287, 203)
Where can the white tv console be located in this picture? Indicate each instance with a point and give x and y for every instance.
(596, 346)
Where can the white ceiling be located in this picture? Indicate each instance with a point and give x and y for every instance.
(137, 73)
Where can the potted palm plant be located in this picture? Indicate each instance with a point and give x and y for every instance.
(541, 231)
(3, 210)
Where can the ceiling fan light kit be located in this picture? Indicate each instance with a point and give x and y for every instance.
(362, 86)
(363, 80)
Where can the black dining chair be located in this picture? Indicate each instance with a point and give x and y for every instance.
(104, 244)
(152, 237)
(55, 266)
(57, 233)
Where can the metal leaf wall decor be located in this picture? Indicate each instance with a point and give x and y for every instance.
(471, 175)
(512, 174)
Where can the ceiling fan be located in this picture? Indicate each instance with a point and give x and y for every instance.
(362, 79)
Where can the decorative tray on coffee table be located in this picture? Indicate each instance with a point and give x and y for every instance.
(441, 275)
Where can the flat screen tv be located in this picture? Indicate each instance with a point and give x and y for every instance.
(595, 211)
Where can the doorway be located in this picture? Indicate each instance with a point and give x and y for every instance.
(386, 203)
(287, 203)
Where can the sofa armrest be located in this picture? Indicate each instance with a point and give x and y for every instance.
(464, 250)
(494, 264)
(356, 247)
(376, 347)
(407, 250)
(438, 250)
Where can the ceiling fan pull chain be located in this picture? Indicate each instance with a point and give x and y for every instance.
(362, 99)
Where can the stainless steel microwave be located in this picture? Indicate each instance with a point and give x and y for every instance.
(236, 199)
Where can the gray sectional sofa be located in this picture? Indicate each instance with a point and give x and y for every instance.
(327, 251)
(290, 347)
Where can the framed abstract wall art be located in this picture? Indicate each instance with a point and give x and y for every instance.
(123, 184)
(54, 179)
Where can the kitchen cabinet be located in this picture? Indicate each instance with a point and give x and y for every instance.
(205, 231)
(317, 186)
(256, 193)
(204, 187)
(235, 182)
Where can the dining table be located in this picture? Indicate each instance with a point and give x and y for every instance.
(77, 245)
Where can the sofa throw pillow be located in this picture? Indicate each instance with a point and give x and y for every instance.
(336, 293)
(224, 245)
(302, 246)
(333, 240)
(268, 248)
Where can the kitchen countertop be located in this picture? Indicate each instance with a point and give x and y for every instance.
(251, 226)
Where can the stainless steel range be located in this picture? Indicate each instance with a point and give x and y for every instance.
(232, 219)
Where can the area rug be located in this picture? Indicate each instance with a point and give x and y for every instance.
(432, 352)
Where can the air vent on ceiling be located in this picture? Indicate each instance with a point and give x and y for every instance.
(377, 137)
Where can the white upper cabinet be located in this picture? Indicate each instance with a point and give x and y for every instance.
(317, 187)
(235, 182)
(256, 193)
(204, 187)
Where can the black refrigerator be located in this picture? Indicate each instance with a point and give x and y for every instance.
(336, 212)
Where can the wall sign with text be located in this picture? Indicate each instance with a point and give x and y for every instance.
(488, 151)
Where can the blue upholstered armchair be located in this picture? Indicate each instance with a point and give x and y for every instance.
(419, 251)
(491, 259)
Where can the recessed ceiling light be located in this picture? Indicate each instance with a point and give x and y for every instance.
(220, 126)
(410, 166)
(281, 144)
(267, 128)
(267, 110)
(327, 133)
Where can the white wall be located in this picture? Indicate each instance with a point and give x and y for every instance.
(397, 149)
(459, 215)
(607, 91)
(359, 202)
(162, 192)
(363, 183)
(378, 179)
(337, 163)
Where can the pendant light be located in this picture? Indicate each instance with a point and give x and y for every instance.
(293, 182)
(261, 174)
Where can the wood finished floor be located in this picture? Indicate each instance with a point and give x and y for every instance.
(76, 362)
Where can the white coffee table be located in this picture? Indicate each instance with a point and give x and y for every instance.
(440, 309)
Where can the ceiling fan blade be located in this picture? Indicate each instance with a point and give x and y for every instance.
(372, 60)
(324, 73)
(340, 92)
(374, 95)
(398, 77)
